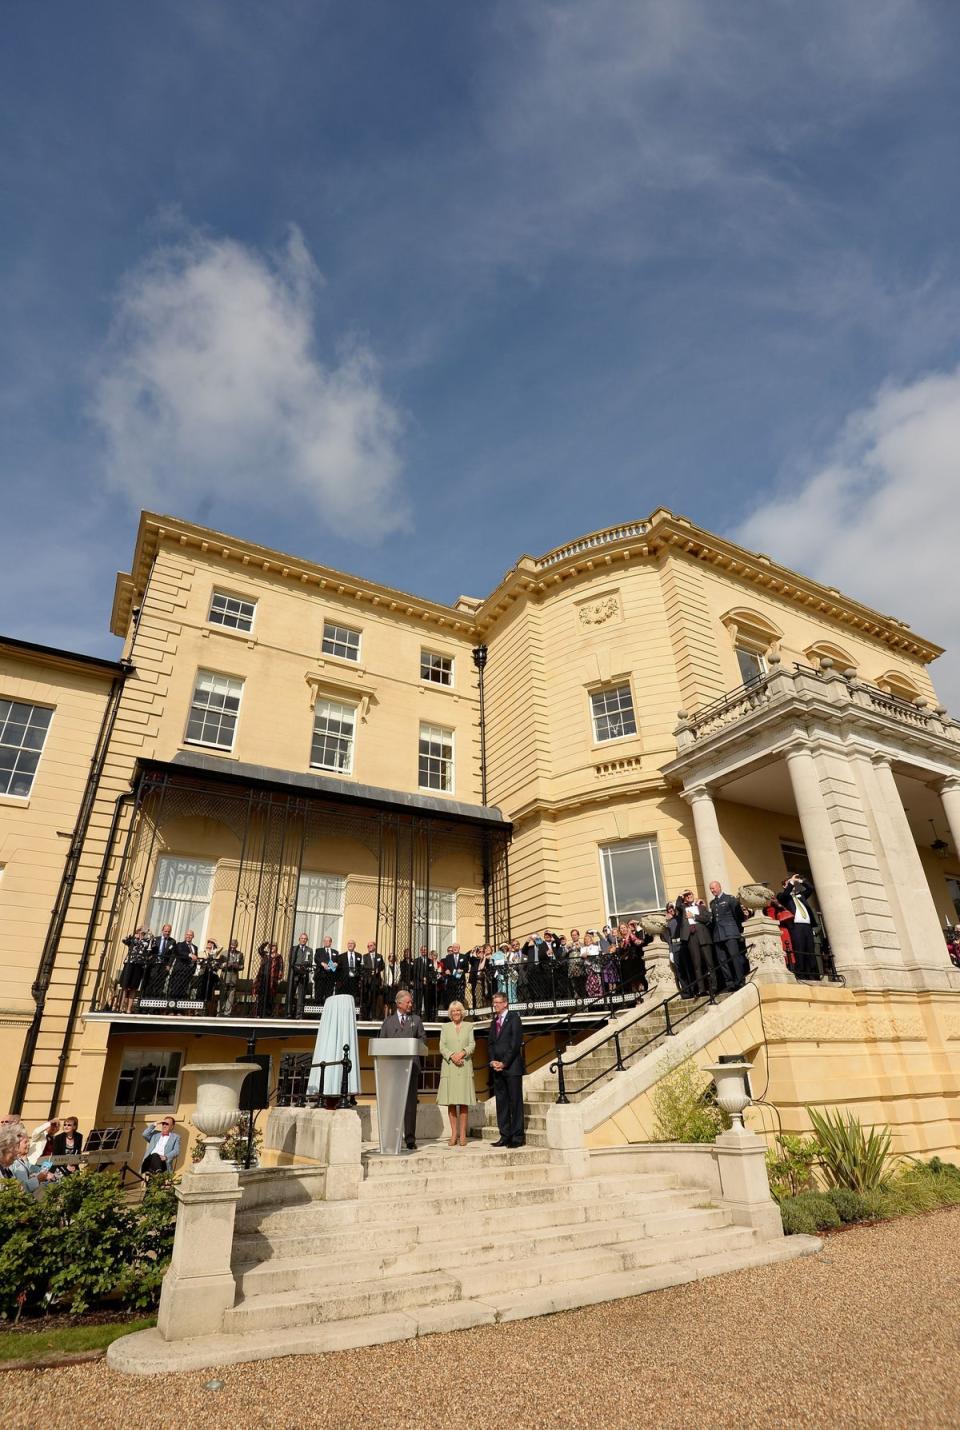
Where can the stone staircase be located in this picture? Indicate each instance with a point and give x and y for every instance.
(592, 1070)
(445, 1239)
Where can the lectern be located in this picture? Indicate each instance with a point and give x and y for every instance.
(393, 1059)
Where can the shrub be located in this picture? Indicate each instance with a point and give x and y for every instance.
(821, 1208)
(849, 1204)
(877, 1206)
(686, 1108)
(798, 1220)
(234, 1146)
(850, 1157)
(790, 1167)
(82, 1242)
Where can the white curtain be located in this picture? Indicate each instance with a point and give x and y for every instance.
(181, 896)
(320, 900)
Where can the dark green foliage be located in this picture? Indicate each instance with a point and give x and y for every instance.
(82, 1242)
(798, 1220)
(790, 1167)
(849, 1204)
(877, 1206)
(686, 1108)
(850, 1157)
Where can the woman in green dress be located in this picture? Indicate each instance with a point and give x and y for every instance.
(456, 1092)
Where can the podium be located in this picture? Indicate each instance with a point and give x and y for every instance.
(393, 1060)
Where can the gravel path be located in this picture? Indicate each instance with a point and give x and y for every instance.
(865, 1334)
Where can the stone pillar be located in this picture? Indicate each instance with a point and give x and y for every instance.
(833, 893)
(713, 861)
(927, 952)
(765, 950)
(950, 798)
(741, 1162)
(199, 1284)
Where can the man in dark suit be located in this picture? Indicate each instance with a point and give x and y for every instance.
(301, 968)
(348, 971)
(456, 966)
(159, 961)
(505, 1057)
(795, 896)
(371, 980)
(726, 925)
(403, 1022)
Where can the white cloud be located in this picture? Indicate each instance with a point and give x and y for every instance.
(212, 389)
(881, 519)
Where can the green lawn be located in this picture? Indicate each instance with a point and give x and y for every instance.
(30, 1345)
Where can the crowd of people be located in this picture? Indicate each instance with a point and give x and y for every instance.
(707, 953)
(39, 1157)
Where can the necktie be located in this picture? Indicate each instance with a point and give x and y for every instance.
(402, 1020)
(499, 1024)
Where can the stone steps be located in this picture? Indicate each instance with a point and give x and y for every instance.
(437, 1183)
(439, 1156)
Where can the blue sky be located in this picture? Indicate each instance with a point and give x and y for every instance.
(411, 289)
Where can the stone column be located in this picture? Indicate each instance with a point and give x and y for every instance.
(199, 1284)
(950, 798)
(833, 893)
(928, 951)
(713, 861)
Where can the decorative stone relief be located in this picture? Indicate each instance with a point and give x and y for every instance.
(594, 613)
(825, 1026)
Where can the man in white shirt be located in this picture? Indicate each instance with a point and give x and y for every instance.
(163, 1147)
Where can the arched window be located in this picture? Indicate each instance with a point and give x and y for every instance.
(895, 682)
(842, 660)
(753, 635)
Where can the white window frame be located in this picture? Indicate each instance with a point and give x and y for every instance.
(748, 648)
(352, 711)
(427, 655)
(334, 628)
(188, 739)
(596, 716)
(30, 705)
(156, 920)
(130, 1059)
(441, 914)
(331, 890)
(648, 842)
(438, 734)
(232, 625)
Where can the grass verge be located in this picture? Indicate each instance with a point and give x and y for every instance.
(34, 1345)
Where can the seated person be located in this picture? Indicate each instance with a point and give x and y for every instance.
(67, 1142)
(163, 1147)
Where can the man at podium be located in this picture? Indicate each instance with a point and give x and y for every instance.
(403, 1022)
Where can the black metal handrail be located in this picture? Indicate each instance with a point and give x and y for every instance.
(296, 1094)
(620, 1058)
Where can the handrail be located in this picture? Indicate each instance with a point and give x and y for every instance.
(621, 1058)
(556, 1028)
(298, 1096)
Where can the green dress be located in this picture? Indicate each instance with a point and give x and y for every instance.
(456, 1084)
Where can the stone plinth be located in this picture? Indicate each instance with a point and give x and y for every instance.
(199, 1286)
(745, 1188)
(315, 1136)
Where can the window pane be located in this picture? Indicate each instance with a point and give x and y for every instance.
(341, 641)
(634, 884)
(436, 758)
(23, 730)
(333, 732)
(213, 713)
(320, 901)
(613, 715)
(751, 665)
(436, 668)
(232, 611)
(435, 918)
(181, 896)
(148, 1078)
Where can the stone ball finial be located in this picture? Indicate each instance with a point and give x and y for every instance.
(774, 658)
(682, 715)
(826, 662)
(850, 673)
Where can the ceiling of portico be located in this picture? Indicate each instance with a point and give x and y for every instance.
(768, 788)
(923, 804)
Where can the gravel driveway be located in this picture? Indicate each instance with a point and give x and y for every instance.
(865, 1334)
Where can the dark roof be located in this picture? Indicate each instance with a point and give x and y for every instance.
(31, 648)
(191, 761)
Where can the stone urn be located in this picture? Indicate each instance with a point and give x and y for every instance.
(656, 955)
(732, 1088)
(755, 896)
(218, 1107)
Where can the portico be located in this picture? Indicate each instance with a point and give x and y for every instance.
(864, 772)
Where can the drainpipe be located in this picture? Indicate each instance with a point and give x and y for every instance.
(48, 956)
(480, 661)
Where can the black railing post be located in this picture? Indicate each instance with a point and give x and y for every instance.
(561, 1086)
(344, 1101)
(616, 1044)
(666, 1014)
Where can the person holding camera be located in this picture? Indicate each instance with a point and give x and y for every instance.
(794, 897)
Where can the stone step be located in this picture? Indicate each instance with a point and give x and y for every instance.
(441, 1158)
(350, 1264)
(647, 1213)
(536, 1139)
(434, 1184)
(147, 1353)
(285, 1309)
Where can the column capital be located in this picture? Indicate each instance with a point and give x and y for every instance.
(693, 794)
(880, 761)
(950, 784)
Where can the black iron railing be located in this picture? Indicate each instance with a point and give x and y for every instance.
(296, 1071)
(672, 1020)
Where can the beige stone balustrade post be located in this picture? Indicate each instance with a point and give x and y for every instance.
(713, 860)
(765, 949)
(744, 1185)
(828, 876)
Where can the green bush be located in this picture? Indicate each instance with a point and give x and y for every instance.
(849, 1157)
(686, 1108)
(821, 1208)
(798, 1220)
(877, 1206)
(790, 1167)
(233, 1148)
(849, 1204)
(82, 1242)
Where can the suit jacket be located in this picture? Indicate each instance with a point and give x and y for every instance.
(786, 898)
(151, 1136)
(456, 964)
(301, 956)
(507, 1047)
(727, 916)
(162, 949)
(372, 966)
(412, 1028)
(344, 978)
(185, 951)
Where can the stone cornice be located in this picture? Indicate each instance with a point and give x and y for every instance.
(653, 783)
